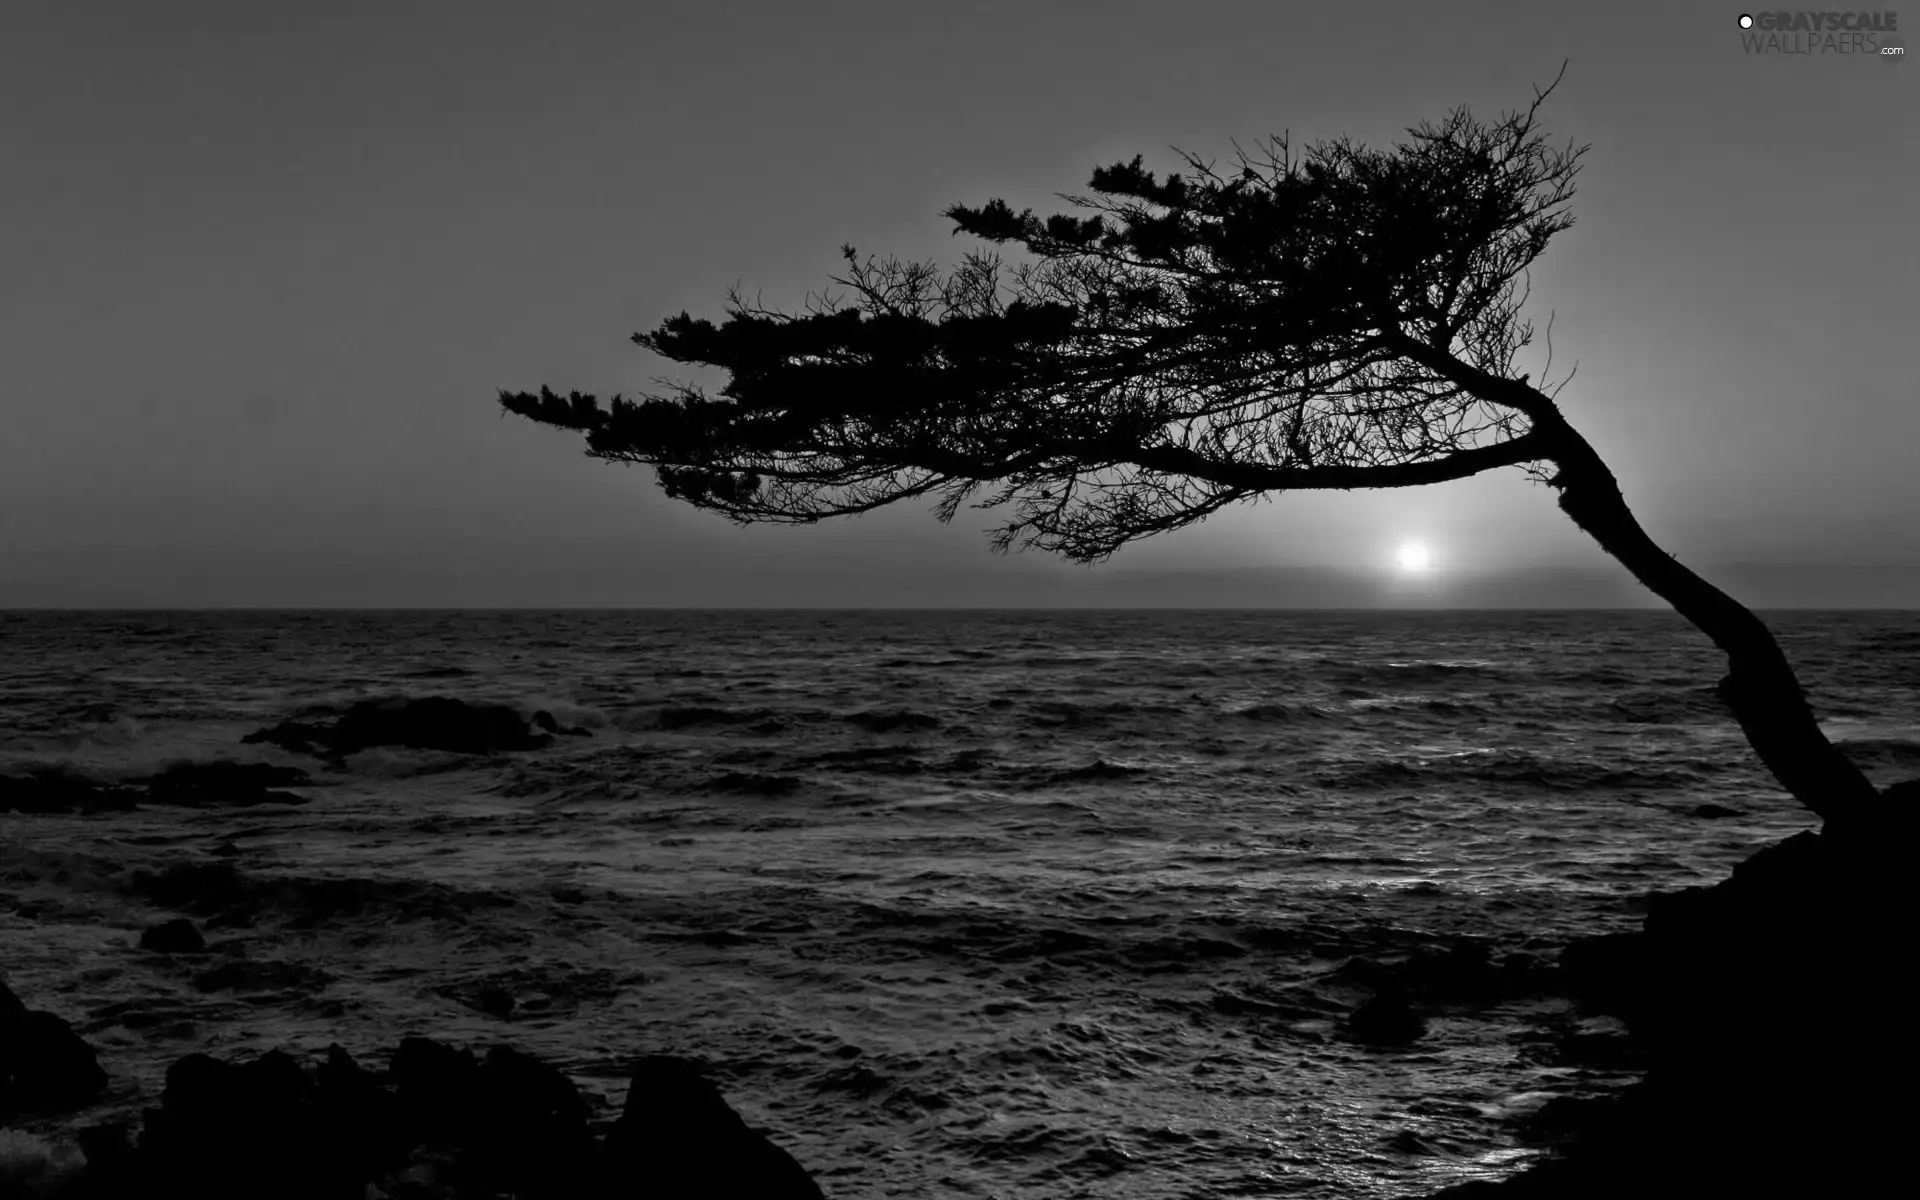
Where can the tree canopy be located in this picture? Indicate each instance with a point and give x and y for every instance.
(1337, 316)
(1188, 342)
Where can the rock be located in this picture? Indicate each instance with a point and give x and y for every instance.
(356, 1112)
(1605, 970)
(1523, 973)
(108, 1147)
(1772, 1011)
(1463, 971)
(677, 1139)
(192, 785)
(225, 784)
(433, 723)
(177, 936)
(226, 1129)
(45, 1067)
(436, 1086)
(1386, 1018)
(528, 1131)
(544, 720)
(59, 790)
(495, 1001)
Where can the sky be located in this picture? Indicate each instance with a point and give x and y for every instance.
(263, 269)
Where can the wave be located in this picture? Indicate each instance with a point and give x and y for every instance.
(1283, 714)
(1517, 768)
(875, 721)
(690, 716)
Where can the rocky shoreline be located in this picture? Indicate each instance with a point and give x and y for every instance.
(437, 1123)
(1766, 1007)
(1776, 1019)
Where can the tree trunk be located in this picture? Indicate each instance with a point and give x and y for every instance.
(1760, 686)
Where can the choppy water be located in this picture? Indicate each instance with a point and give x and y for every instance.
(1060, 911)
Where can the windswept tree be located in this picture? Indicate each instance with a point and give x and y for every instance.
(1334, 317)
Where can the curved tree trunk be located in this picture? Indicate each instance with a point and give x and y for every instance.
(1760, 686)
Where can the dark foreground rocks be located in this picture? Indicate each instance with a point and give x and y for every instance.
(45, 1067)
(439, 1122)
(1775, 1013)
(431, 723)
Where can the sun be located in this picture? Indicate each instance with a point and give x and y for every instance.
(1413, 557)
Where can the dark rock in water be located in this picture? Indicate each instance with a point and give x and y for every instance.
(678, 1140)
(226, 850)
(192, 785)
(433, 723)
(225, 784)
(495, 1001)
(544, 720)
(177, 936)
(1386, 1018)
(1462, 971)
(45, 1067)
(59, 790)
(1713, 812)
(1409, 1142)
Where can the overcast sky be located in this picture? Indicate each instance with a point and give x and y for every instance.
(264, 266)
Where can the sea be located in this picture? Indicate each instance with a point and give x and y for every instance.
(1011, 904)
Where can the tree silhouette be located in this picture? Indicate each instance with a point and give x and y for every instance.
(1336, 317)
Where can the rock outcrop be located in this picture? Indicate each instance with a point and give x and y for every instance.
(216, 784)
(45, 1067)
(430, 723)
(440, 1122)
(1775, 1016)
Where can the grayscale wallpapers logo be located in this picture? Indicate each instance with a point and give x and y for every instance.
(1867, 34)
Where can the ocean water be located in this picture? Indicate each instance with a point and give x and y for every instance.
(995, 904)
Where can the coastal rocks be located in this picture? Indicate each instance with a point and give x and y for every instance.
(677, 1138)
(58, 790)
(178, 936)
(1772, 1010)
(263, 1127)
(1386, 1018)
(217, 784)
(225, 784)
(527, 1129)
(442, 1122)
(45, 1067)
(544, 720)
(432, 723)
